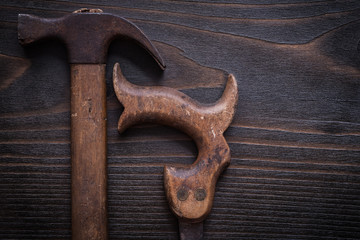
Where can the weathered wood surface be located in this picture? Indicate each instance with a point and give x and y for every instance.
(295, 138)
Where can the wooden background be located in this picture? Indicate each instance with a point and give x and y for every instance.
(295, 139)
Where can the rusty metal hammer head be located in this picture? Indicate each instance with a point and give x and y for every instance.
(86, 33)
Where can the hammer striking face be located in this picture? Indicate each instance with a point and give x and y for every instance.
(87, 35)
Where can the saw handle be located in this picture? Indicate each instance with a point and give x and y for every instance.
(189, 188)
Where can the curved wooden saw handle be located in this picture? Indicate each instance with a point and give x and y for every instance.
(189, 189)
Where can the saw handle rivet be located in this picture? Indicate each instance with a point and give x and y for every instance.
(182, 194)
(200, 194)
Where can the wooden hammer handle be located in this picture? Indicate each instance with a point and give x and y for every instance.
(88, 147)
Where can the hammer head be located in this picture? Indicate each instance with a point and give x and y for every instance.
(87, 35)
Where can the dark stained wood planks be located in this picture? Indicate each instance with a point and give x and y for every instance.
(295, 139)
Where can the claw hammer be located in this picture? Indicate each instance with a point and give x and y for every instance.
(87, 34)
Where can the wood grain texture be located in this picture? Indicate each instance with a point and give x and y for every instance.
(88, 152)
(295, 138)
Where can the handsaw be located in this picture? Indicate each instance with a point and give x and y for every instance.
(189, 188)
